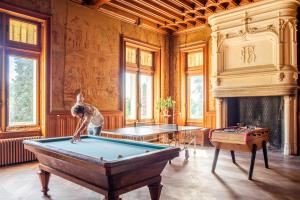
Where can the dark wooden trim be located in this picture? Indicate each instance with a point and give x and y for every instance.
(19, 134)
(24, 11)
(141, 44)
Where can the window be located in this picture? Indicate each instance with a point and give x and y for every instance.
(23, 32)
(20, 55)
(139, 84)
(146, 96)
(195, 85)
(131, 96)
(22, 90)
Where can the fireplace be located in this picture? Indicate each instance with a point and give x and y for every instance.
(265, 112)
(254, 69)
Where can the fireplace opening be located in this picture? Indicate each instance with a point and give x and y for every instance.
(264, 112)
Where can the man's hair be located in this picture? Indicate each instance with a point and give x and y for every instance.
(77, 109)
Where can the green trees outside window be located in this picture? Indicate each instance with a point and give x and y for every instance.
(22, 90)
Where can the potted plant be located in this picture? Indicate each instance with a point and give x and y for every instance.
(165, 104)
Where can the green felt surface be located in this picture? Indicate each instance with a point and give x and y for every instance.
(98, 147)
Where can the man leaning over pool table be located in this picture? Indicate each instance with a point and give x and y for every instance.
(89, 116)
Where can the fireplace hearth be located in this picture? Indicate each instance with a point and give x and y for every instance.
(265, 112)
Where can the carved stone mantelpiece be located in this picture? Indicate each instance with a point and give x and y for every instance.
(258, 38)
(254, 53)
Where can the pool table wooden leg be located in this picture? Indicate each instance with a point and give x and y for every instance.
(233, 156)
(155, 190)
(254, 147)
(215, 160)
(112, 196)
(44, 179)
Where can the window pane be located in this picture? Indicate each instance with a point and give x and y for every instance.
(130, 55)
(196, 97)
(195, 59)
(146, 97)
(22, 91)
(24, 32)
(131, 93)
(146, 58)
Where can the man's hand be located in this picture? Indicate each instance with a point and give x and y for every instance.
(76, 137)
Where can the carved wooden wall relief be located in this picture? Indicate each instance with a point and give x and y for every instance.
(92, 62)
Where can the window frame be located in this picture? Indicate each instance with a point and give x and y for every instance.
(21, 45)
(43, 62)
(35, 56)
(194, 71)
(2, 89)
(185, 72)
(139, 69)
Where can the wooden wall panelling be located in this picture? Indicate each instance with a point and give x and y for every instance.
(210, 120)
(59, 125)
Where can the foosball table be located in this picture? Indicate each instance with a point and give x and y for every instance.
(245, 139)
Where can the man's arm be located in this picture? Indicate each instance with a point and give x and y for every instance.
(82, 126)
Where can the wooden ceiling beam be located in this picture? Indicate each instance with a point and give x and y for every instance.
(179, 20)
(183, 4)
(234, 2)
(135, 12)
(143, 23)
(78, 1)
(155, 6)
(173, 8)
(95, 3)
(169, 27)
(164, 16)
(130, 18)
(116, 13)
(199, 3)
(144, 9)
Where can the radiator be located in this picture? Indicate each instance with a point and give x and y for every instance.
(12, 151)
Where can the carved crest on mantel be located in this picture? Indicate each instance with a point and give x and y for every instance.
(248, 54)
(247, 30)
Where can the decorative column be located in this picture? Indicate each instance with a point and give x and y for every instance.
(290, 131)
(219, 112)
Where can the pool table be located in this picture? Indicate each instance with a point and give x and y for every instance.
(108, 166)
